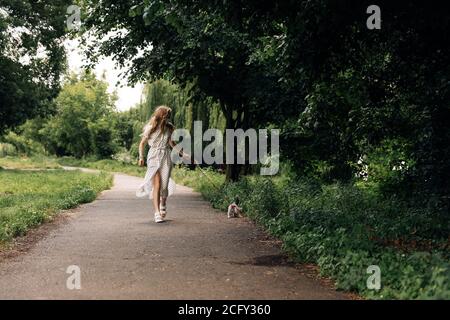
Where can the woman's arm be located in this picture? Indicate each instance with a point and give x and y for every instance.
(145, 137)
(141, 150)
(178, 150)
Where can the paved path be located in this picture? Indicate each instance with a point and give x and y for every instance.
(122, 254)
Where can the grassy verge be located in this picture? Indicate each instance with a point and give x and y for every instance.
(29, 198)
(44, 162)
(33, 162)
(104, 165)
(344, 230)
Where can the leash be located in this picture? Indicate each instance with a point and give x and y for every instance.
(209, 179)
(235, 209)
(227, 198)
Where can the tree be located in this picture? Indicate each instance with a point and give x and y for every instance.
(204, 44)
(32, 58)
(338, 89)
(358, 89)
(123, 127)
(83, 124)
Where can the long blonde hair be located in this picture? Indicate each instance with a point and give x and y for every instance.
(160, 120)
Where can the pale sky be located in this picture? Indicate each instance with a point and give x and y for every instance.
(128, 96)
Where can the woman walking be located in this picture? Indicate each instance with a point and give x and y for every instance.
(157, 182)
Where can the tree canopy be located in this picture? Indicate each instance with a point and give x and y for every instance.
(84, 122)
(337, 89)
(32, 58)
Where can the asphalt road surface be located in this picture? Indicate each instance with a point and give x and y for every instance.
(120, 253)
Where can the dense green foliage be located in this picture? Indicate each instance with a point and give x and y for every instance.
(343, 229)
(185, 110)
(30, 198)
(367, 90)
(82, 126)
(32, 58)
(338, 90)
(204, 45)
(16, 143)
(84, 123)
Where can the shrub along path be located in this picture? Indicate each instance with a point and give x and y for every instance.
(197, 254)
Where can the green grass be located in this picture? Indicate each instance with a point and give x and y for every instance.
(104, 165)
(29, 198)
(33, 162)
(344, 229)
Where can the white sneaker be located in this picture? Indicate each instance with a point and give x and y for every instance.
(158, 217)
(163, 211)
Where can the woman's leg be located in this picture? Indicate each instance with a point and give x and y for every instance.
(156, 189)
(165, 175)
(163, 208)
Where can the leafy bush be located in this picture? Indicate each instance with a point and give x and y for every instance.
(7, 149)
(102, 139)
(124, 156)
(18, 144)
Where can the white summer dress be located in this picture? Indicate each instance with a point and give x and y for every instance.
(158, 158)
